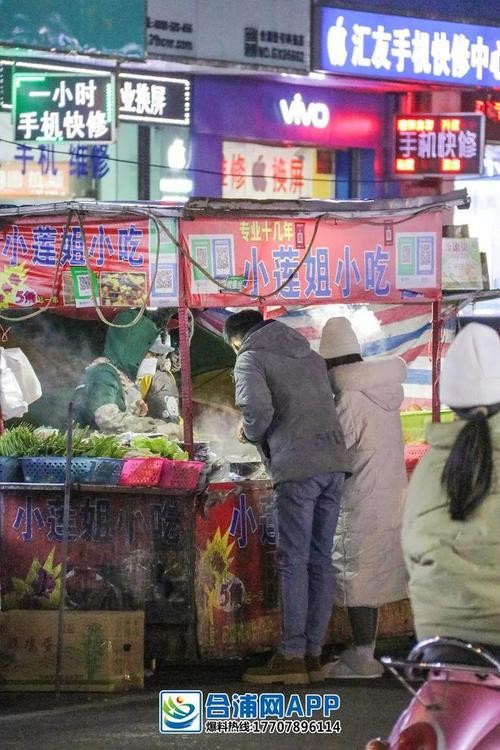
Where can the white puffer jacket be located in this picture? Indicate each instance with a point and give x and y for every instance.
(367, 554)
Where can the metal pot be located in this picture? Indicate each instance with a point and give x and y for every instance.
(243, 468)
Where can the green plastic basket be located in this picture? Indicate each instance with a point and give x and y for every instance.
(414, 424)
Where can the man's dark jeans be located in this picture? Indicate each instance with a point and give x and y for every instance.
(308, 511)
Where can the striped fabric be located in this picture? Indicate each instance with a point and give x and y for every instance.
(383, 330)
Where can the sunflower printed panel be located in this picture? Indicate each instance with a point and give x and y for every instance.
(126, 551)
(236, 582)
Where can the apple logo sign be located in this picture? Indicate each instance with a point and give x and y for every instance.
(258, 171)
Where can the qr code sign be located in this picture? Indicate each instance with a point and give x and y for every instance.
(84, 288)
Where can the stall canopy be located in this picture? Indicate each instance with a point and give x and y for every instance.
(89, 258)
(87, 254)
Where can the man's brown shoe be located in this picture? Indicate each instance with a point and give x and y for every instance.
(278, 669)
(313, 666)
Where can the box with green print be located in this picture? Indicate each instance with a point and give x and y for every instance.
(103, 651)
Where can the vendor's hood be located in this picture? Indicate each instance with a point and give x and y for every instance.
(380, 380)
(127, 347)
(277, 338)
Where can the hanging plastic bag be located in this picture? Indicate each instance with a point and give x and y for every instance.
(19, 386)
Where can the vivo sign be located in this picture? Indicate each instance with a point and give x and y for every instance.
(315, 114)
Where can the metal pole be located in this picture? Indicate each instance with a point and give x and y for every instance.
(64, 553)
(437, 325)
(186, 383)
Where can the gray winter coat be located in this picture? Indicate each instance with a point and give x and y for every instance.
(287, 404)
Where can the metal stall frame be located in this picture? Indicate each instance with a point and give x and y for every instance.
(396, 210)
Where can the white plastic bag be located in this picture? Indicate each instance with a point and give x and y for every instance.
(19, 386)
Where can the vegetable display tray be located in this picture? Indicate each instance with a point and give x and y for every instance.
(180, 475)
(141, 472)
(10, 469)
(52, 470)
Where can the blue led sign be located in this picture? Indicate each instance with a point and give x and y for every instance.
(401, 48)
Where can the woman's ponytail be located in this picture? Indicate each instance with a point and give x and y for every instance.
(468, 470)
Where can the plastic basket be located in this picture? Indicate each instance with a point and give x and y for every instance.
(96, 470)
(106, 470)
(44, 469)
(141, 472)
(413, 454)
(414, 424)
(180, 475)
(10, 469)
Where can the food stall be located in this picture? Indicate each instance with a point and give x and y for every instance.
(201, 566)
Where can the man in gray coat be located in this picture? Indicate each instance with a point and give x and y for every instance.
(288, 412)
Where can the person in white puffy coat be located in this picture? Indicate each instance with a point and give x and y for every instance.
(367, 555)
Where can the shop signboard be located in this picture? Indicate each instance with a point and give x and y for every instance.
(259, 34)
(251, 170)
(313, 260)
(236, 581)
(63, 106)
(128, 262)
(16, 182)
(488, 104)
(154, 99)
(428, 144)
(402, 48)
(114, 28)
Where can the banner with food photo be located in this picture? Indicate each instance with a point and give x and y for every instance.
(114, 262)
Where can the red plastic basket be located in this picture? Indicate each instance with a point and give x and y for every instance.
(180, 475)
(141, 472)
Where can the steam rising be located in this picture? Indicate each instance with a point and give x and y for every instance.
(218, 426)
(363, 320)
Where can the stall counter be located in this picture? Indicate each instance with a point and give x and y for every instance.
(204, 569)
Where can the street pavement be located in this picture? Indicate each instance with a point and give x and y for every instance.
(131, 721)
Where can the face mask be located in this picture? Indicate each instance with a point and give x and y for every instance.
(145, 374)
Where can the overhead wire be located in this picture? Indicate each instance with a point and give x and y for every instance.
(330, 179)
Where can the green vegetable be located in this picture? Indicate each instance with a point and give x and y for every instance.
(18, 441)
(24, 440)
(99, 446)
(159, 446)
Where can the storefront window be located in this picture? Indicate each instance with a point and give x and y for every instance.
(482, 217)
(39, 172)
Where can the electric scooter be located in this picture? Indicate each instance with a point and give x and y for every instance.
(457, 707)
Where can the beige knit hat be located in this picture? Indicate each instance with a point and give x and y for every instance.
(470, 372)
(338, 339)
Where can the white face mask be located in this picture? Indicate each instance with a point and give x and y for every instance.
(147, 367)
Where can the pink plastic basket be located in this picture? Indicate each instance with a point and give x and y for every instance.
(180, 475)
(413, 454)
(141, 472)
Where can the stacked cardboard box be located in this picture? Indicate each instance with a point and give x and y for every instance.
(103, 651)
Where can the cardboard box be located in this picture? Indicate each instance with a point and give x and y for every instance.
(103, 651)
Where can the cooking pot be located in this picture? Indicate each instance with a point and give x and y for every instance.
(243, 468)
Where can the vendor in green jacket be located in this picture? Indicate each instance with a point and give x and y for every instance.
(451, 526)
(108, 397)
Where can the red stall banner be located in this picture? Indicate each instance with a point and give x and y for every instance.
(363, 260)
(236, 580)
(45, 262)
(116, 545)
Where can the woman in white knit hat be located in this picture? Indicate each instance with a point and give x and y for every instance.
(367, 555)
(451, 529)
